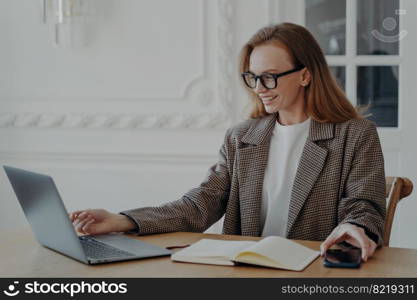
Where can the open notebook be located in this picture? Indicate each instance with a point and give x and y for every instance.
(272, 251)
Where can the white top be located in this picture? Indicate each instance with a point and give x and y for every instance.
(287, 143)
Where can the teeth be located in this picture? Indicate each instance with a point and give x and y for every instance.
(268, 98)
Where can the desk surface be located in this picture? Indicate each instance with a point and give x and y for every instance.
(22, 256)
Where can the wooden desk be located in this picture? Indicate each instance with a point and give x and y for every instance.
(22, 256)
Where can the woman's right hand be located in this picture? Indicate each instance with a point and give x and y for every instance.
(100, 221)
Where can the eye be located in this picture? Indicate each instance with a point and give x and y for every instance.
(268, 79)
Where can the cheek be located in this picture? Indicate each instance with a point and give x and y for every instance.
(289, 91)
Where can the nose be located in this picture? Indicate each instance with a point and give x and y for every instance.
(259, 86)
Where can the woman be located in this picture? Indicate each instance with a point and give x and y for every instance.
(305, 166)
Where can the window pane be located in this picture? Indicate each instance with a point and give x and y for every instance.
(339, 73)
(378, 88)
(326, 20)
(378, 27)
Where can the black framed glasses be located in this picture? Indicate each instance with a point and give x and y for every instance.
(268, 80)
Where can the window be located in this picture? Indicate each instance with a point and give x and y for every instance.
(361, 41)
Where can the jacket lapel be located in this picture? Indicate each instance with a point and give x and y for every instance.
(309, 168)
(252, 161)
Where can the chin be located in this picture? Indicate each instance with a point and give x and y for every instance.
(271, 110)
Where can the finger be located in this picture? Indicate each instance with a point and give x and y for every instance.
(78, 227)
(80, 224)
(74, 215)
(372, 247)
(329, 243)
(86, 227)
(81, 217)
(357, 238)
(338, 237)
(363, 241)
(352, 242)
(330, 240)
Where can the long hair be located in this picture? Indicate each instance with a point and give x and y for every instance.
(325, 100)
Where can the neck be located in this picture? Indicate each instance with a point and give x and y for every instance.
(291, 118)
(294, 114)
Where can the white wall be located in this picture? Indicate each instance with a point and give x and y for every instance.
(131, 109)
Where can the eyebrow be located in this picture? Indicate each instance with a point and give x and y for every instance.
(267, 71)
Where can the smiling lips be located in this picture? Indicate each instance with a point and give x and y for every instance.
(267, 100)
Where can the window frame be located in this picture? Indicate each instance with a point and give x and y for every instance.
(350, 60)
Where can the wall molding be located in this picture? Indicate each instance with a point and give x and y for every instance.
(116, 158)
(195, 91)
(214, 99)
(114, 121)
(225, 64)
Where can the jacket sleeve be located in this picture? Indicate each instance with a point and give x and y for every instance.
(197, 210)
(363, 202)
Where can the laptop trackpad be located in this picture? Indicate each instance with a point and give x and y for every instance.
(133, 246)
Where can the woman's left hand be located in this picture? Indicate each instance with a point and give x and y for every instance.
(353, 235)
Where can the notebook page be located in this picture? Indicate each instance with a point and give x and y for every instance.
(213, 248)
(285, 252)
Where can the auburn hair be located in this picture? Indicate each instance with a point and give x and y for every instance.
(325, 100)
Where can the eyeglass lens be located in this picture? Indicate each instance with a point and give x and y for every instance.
(267, 80)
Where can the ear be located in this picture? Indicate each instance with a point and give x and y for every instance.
(305, 77)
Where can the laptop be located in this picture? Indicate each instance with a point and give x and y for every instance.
(50, 222)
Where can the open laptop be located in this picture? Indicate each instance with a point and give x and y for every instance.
(46, 213)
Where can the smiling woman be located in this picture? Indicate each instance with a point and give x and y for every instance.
(289, 46)
(306, 165)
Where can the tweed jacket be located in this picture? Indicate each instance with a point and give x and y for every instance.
(340, 179)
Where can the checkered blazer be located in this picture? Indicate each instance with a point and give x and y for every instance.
(340, 179)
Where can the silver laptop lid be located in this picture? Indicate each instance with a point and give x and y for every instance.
(45, 211)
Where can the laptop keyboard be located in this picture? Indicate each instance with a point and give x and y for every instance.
(98, 250)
